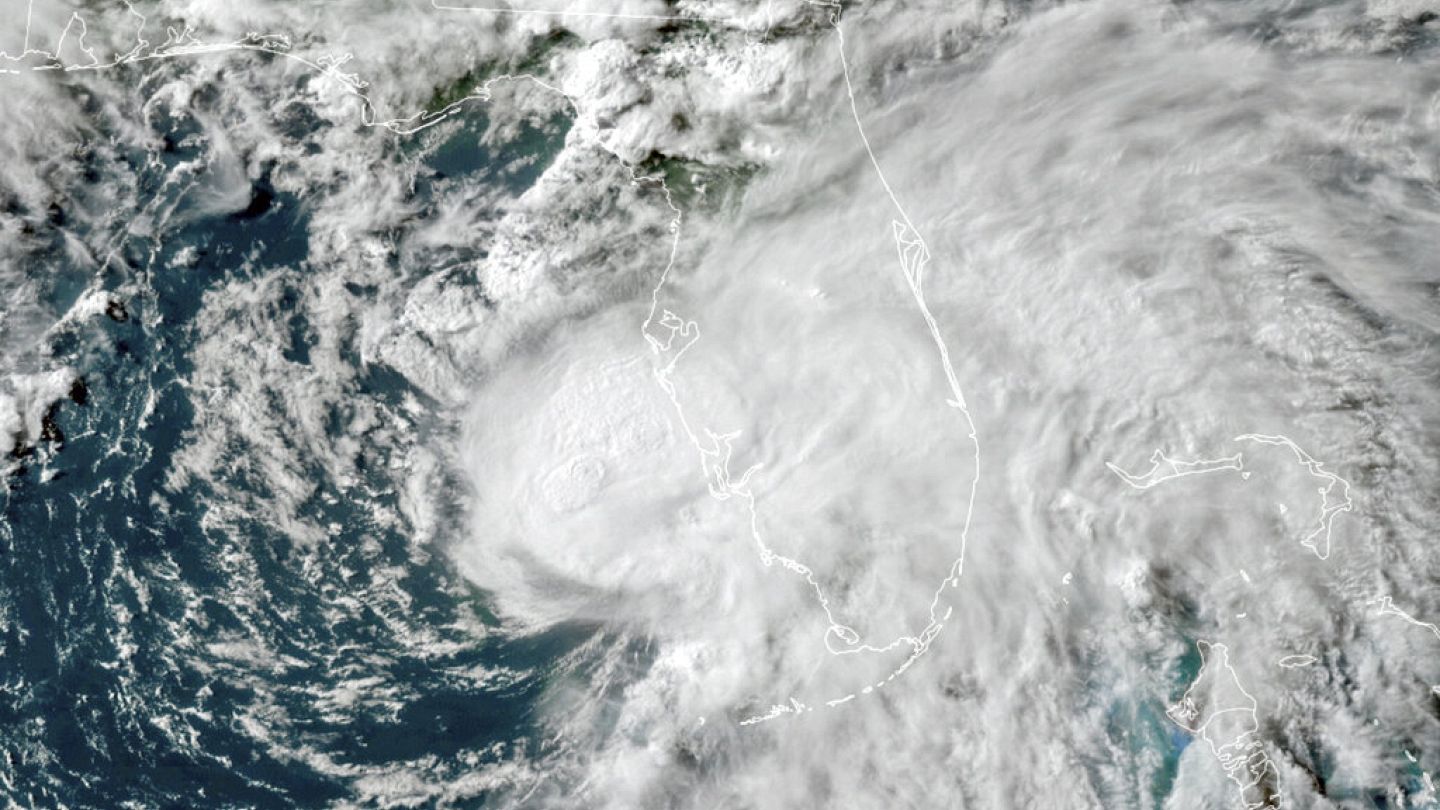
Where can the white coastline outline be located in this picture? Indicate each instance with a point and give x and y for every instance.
(182, 42)
(1387, 608)
(661, 329)
(1243, 755)
(1164, 468)
(1329, 509)
(911, 249)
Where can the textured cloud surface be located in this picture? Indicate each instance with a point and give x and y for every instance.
(1146, 233)
(750, 405)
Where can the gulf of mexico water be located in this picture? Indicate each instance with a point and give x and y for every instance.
(167, 639)
(229, 547)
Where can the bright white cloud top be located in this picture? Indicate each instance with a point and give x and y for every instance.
(582, 404)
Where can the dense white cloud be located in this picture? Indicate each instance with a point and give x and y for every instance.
(1146, 232)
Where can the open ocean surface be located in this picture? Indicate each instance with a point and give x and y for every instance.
(151, 659)
(341, 478)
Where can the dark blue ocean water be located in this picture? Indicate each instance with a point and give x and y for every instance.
(120, 685)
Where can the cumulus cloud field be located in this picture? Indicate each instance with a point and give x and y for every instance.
(915, 405)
